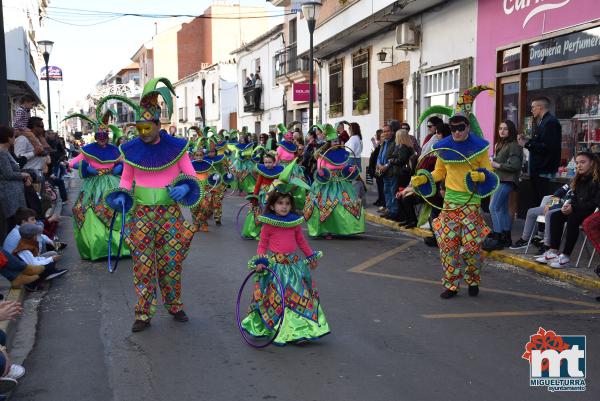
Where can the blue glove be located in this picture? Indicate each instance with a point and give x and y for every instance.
(91, 171)
(179, 192)
(76, 165)
(117, 169)
(118, 202)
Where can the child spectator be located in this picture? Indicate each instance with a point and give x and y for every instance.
(23, 216)
(23, 112)
(28, 251)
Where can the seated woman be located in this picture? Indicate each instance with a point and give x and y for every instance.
(585, 199)
(549, 205)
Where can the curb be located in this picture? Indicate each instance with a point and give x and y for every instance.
(503, 256)
(8, 326)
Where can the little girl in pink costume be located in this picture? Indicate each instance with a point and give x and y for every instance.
(280, 236)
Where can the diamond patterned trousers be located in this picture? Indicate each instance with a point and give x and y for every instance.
(159, 239)
(211, 204)
(460, 234)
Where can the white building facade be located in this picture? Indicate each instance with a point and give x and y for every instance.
(260, 107)
(428, 59)
(220, 98)
(22, 23)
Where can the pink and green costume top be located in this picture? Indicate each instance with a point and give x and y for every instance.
(154, 168)
(304, 318)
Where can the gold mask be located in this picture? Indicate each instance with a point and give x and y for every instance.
(144, 128)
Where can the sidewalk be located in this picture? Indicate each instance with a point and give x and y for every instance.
(581, 276)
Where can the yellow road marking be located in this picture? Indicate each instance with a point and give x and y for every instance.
(362, 269)
(380, 258)
(513, 314)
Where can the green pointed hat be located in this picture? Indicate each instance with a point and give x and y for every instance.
(328, 130)
(149, 106)
(285, 183)
(464, 106)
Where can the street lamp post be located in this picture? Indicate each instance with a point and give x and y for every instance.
(203, 104)
(310, 11)
(46, 47)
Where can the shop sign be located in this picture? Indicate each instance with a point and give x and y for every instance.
(53, 73)
(567, 47)
(533, 7)
(301, 92)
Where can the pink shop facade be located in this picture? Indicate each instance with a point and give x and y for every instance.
(529, 48)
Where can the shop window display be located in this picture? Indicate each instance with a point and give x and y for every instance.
(574, 92)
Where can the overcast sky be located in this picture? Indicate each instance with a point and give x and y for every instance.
(88, 53)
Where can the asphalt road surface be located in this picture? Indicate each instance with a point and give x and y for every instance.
(393, 337)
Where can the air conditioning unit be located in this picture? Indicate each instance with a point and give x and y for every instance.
(406, 37)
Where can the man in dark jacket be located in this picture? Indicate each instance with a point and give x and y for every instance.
(388, 171)
(544, 148)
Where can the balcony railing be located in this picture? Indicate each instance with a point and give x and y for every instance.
(287, 62)
(252, 99)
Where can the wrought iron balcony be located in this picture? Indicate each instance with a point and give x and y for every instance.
(252, 99)
(287, 62)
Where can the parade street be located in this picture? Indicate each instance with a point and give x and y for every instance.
(393, 337)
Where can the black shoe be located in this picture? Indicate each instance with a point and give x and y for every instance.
(493, 243)
(180, 316)
(55, 273)
(218, 222)
(542, 249)
(520, 244)
(448, 294)
(598, 299)
(140, 325)
(410, 224)
(506, 239)
(473, 290)
(430, 241)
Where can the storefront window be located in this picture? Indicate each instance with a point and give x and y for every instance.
(574, 92)
(511, 59)
(510, 103)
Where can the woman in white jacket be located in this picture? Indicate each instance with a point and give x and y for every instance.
(355, 144)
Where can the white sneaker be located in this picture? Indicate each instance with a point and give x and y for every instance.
(561, 262)
(16, 371)
(548, 257)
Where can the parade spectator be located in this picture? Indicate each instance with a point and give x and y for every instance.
(28, 216)
(355, 145)
(28, 251)
(407, 199)
(387, 170)
(257, 90)
(23, 112)
(548, 206)
(585, 199)
(399, 158)
(544, 147)
(415, 141)
(431, 138)
(12, 193)
(308, 160)
(9, 372)
(507, 162)
(16, 271)
(376, 142)
(29, 150)
(342, 133)
(58, 166)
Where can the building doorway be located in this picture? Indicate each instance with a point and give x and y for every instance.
(394, 104)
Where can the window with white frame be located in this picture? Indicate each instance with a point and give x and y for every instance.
(441, 87)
